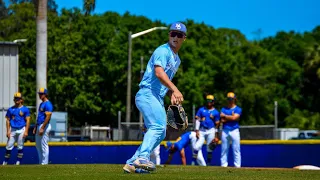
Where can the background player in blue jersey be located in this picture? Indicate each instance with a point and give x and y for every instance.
(181, 143)
(43, 127)
(207, 122)
(17, 122)
(230, 116)
(155, 84)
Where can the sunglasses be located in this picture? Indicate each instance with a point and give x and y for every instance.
(174, 34)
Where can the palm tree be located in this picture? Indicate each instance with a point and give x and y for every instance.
(42, 6)
(89, 6)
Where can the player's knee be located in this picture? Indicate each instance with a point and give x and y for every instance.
(9, 148)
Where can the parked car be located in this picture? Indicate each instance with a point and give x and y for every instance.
(307, 134)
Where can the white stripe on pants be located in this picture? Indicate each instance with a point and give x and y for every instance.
(42, 144)
(234, 136)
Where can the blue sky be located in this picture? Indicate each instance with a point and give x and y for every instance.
(246, 15)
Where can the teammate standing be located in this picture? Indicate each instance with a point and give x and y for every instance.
(207, 122)
(17, 123)
(155, 84)
(230, 116)
(43, 127)
(181, 143)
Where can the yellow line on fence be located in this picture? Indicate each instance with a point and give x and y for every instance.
(128, 143)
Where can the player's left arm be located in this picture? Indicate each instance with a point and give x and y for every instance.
(169, 158)
(235, 115)
(217, 124)
(27, 118)
(48, 112)
(183, 157)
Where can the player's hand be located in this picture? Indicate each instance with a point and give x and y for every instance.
(8, 135)
(41, 130)
(203, 118)
(173, 99)
(25, 134)
(34, 130)
(223, 120)
(211, 116)
(222, 115)
(216, 139)
(178, 97)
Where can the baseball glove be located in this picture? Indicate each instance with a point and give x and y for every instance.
(177, 117)
(213, 144)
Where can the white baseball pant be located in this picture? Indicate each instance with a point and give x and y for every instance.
(16, 135)
(234, 136)
(194, 142)
(42, 144)
(205, 135)
(155, 155)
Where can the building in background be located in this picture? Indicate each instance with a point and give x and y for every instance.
(9, 81)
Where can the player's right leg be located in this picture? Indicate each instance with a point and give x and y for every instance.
(38, 145)
(9, 146)
(224, 148)
(45, 146)
(200, 159)
(235, 136)
(20, 144)
(155, 120)
(209, 138)
(197, 146)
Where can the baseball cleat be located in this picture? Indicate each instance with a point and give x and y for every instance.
(142, 171)
(129, 168)
(144, 164)
(18, 163)
(4, 163)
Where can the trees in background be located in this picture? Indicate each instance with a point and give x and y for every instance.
(87, 60)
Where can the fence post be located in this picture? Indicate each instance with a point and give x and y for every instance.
(119, 125)
(193, 115)
(276, 120)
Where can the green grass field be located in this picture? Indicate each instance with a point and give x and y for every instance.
(90, 172)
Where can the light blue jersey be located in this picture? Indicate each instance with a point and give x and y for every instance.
(163, 56)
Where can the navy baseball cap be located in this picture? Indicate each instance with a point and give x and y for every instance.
(210, 98)
(17, 96)
(43, 91)
(231, 96)
(178, 26)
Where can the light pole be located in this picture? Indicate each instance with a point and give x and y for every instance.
(141, 75)
(20, 40)
(130, 37)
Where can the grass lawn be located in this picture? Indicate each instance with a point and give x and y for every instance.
(115, 172)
